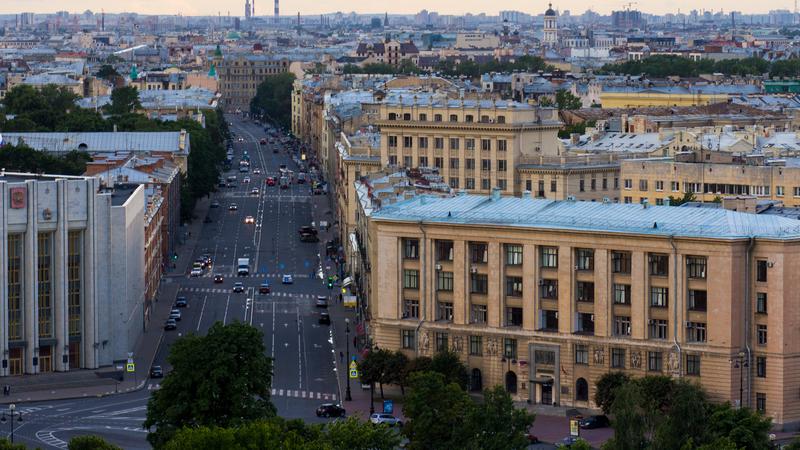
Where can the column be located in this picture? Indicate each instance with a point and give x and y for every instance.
(59, 269)
(3, 276)
(88, 308)
(529, 285)
(30, 287)
(460, 271)
(493, 297)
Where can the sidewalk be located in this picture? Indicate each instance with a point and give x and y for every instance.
(102, 381)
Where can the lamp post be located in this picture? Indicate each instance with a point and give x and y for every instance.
(10, 414)
(740, 363)
(347, 396)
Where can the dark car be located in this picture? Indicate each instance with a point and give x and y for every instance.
(309, 237)
(591, 422)
(305, 229)
(181, 302)
(264, 288)
(238, 287)
(322, 301)
(324, 319)
(218, 278)
(156, 372)
(171, 324)
(215, 204)
(330, 410)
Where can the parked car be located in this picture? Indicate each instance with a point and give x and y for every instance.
(324, 318)
(218, 278)
(215, 204)
(383, 418)
(263, 141)
(238, 287)
(330, 410)
(264, 288)
(591, 422)
(307, 229)
(322, 301)
(309, 237)
(170, 324)
(181, 302)
(287, 279)
(175, 314)
(156, 372)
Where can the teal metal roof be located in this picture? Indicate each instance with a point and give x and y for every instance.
(590, 216)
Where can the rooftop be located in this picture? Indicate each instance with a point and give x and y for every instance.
(590, 216)
(161, 141)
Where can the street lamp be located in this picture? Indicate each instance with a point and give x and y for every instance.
(347, 396)
(10, 414)
(740, 363)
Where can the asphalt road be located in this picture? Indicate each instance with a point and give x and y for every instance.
(302, 349)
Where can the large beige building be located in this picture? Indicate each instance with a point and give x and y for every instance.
(544, 297)
(475, 144)
(241, 74)
(710, 175)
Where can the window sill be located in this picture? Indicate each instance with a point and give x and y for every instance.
(548, 330)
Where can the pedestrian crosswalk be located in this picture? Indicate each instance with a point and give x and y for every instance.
(200, 290)
(255, 275)
(296, 393)
(153, 386)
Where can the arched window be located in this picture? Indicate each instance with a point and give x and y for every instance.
(511, 382)
(581, 390)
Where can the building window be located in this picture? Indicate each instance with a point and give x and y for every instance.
(514, 286)
(501, 119)
(444, 250)
(411, 248)
(479, 252)
(441, 342)
(594, 184)
(643, 185)
(622, 326)
(654, 361)
(658, 329)
(585, 259)
(513, 317)
(476, 346)
(486, 183)
(585, 323)
(469, 183)
(585, 291)
(549, 257)
(423, 117)
(761, 302)
(411, 309)
(549, 320)
(693, 365)
(392, 160)
(486, 145)
(698, 300)
(674, 186)
(411, 279)
(659, 185)
(553, 185)
(761, 270)
(502, 145)
(696, 266)
(437, 117)
(74, 269)
(621, 262)
(444, 281)
(696, 332)
(469, 144)
(762, 334)
(407, 161)
(548, 289)
(513, 254)
(408, 141)
(470, 164)
(422, 142)
(453, 118)
(622, 294)
(454, 163)
(501, 165)
(581, 354)
(761, 402)
(510, 348)
(580, 186)
(438, 144)
(617, 358)
(486, 164)
(15, 324)
(444, 311)
(392, 141)
(658, 296)
(453, 143)
(479, 283)
(761, 366)
(423, 161)
(409, 339)
(477, 314)
(454, 182)
(45, 284)
(659, 265)
(628, 183)
(438, 162)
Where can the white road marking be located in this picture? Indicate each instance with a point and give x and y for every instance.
(227, 303)
(203, 308)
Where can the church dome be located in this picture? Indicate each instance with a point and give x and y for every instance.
(550, 11)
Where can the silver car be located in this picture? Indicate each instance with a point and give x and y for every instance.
(388, 419)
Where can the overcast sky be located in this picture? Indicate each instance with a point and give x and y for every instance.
(207, 7)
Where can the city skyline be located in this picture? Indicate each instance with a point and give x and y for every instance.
(310, 7)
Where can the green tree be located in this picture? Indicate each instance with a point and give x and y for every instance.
(274, 99)
(451, 367)
(628, 419)
(436, 411)
(546, 102)
(397, 369)
(220, 379)
(375, 368)
(90, 443)
(21, 158)
(124, 100)
(5, 444)
(686, 198)
(107, 71)
(273, 433)
(567, 101)
(606, 387)
(496, 424)
(742, 426)
(353, 434)
(687, 420)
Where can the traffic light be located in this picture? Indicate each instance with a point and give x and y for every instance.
(330, 282)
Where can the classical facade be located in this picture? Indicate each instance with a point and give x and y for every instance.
(544, 297)
(72, 271)
(240, 76)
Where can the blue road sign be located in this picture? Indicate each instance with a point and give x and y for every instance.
(388, 406)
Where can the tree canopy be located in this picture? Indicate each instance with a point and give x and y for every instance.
(274, 99)
(661, 66)
(124, 100)
(221, 379)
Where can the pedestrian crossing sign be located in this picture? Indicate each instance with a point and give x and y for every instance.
(353, 369)
(353, 373)
(131, 367)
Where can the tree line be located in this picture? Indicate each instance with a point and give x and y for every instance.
(661, 66)
(451, 68)
(53, 109)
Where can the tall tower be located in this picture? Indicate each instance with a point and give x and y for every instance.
(550, 36)
(277, 12)
(247, 11)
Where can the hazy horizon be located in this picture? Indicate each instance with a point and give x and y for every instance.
(313, 7)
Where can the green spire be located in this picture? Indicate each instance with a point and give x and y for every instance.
(218, 52)
(134, 73)
(213, 72)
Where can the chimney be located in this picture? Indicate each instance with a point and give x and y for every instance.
(666, 202)
(496, 194)
(645, 203)
(526, 194)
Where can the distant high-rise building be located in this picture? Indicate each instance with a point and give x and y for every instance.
(386, 19)
(277, 12)
(627, 19)
(247, 11)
